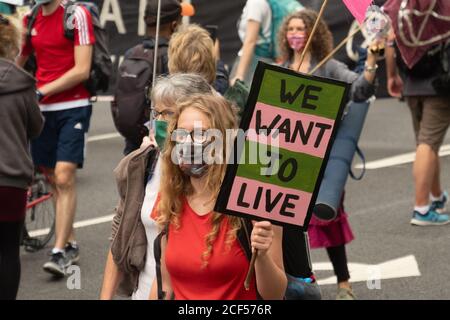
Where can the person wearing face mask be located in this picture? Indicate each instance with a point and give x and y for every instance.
(205, 255)
(293, 36)
(130, 265)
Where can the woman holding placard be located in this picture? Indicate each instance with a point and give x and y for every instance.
(293, 37)
(204, 254)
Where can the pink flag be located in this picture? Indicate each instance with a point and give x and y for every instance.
(358, 8)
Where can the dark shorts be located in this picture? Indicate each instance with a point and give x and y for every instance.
(63, 137)
(431, 118)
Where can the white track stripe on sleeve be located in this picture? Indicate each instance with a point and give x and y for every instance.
(83, 29)
(79, 27)
(84, 26)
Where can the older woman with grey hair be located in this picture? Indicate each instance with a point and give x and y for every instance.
(130, 266)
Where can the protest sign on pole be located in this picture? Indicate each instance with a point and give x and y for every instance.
(290, 122)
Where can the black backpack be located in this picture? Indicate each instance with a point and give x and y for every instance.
(131, 105)
(101, 67)
(428, 66)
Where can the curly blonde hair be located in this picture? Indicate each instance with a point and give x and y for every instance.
(191, 50)
(322, 42)
(175, 185)
(9, 39)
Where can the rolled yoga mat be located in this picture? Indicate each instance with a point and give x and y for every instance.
(340, 160)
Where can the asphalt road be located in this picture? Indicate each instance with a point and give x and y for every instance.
(379, 208)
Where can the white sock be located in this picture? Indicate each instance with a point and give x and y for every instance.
(440, 198)
(422, 210)
(73, 244)
(56, 250)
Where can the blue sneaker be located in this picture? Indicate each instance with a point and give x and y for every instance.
(439, 206)
(432, 218)
(302, 289)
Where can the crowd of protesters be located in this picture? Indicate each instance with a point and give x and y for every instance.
(165, 211)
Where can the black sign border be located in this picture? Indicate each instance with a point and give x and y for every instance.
(225, 190)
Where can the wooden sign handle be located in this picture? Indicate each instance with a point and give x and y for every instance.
(251, 271)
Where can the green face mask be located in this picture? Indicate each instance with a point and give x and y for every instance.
(160, 127)
(43, 1)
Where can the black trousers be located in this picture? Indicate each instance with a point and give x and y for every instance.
(10, 233)
(338, 258)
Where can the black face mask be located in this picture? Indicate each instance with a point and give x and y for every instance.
(190, 157)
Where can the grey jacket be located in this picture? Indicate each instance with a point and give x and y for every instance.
(129, 241)
(20, 121)
(361, 89)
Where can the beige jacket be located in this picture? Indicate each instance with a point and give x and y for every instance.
(129, 242)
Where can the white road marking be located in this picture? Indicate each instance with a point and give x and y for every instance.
(106, 136)
(400, 159)
(403, 267)
(79, 224)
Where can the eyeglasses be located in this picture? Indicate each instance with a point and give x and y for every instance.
(165, 114)
(4, 20)
(197, 135)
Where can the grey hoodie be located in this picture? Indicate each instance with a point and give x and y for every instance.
(20, 121)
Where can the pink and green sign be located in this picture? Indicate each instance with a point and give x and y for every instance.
(293, 119)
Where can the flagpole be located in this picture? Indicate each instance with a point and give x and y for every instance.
(155, 56)
(308, 43)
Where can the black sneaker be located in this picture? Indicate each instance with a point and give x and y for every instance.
(72, 252)
(57, 264)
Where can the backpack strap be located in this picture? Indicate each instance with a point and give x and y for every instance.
(243, 236)
(31, 20)
(363, 159)
(152, 159)
(157, 253)
(69, 33)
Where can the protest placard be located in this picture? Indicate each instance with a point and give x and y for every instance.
(293, 118)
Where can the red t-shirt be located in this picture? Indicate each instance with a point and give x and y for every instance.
(222, 279)
(55, 54)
